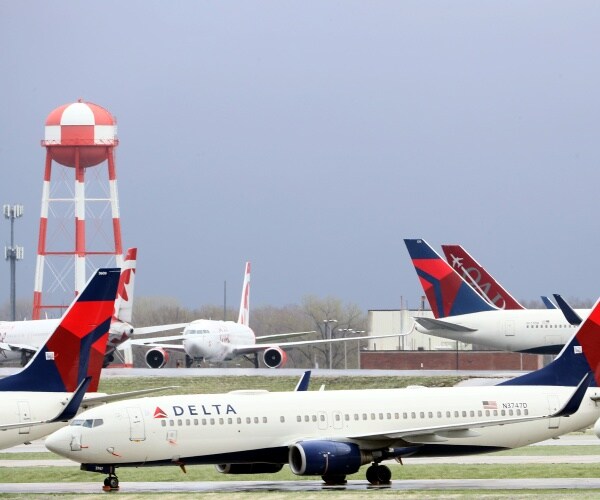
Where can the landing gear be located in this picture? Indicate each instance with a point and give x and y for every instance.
(379, 474)
(189, 361)
(111, 483)
(334, 479)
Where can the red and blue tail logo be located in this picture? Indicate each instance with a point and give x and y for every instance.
(76, 348)
(448, 294)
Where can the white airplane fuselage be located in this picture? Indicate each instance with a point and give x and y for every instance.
(541, 331)
(215, 340)
(18, 407)
(31, 334)
(255, 426)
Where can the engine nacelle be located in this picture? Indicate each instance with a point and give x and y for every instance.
(597, 428)
(274, 357)
(319, 458)
(248, 468)
(157, 357)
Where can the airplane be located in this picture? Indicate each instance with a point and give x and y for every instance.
(461, 314)
(45, 394)
(476, 275)
(19, 340)
(213, 340)
(333, 433)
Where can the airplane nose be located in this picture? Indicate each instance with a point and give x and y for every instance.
(58, 443)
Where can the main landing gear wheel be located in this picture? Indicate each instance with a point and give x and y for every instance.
(111, 483)
(334, 479)
(379, 474)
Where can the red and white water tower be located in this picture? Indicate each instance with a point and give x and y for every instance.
(80, 227)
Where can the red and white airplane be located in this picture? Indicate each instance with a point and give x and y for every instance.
(22, 339)
(213, 340)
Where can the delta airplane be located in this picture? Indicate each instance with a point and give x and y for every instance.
(462, 314)
(212, 340)
(48, 391)
(21, 339)
(333, 433)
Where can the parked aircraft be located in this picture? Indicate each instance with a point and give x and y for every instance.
(462, 314)
(48, 391)
(213, 340)
(476, 275)
(333, 433)
(21, 339)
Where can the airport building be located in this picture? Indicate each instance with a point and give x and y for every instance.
(413, 350)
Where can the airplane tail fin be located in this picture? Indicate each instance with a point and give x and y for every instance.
(476, 275)
(578, 357)
(244, 316)
(75, 350)
(124, 300)
(448, 294)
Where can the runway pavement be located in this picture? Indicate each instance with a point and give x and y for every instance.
(231, 487)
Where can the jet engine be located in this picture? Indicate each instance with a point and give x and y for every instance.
(274, 357)
(157, 357)
(248, 468)
(320, 458)
(597, 428)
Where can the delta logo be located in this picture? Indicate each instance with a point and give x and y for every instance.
(158, 413)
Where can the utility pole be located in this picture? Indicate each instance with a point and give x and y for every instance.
(13, 253)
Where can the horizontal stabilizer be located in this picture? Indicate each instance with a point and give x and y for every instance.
(438, 324)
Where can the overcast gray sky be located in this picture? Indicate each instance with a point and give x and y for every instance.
(311, 137)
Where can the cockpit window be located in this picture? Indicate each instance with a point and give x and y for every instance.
(90, 422)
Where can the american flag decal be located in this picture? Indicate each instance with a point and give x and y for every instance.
(489, 405)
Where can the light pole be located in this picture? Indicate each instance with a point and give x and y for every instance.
(13, 253)
(329, 332)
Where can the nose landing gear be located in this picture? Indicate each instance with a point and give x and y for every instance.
(111, 483)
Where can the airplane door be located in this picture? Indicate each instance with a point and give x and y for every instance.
(338, 421)
(24, 416)
(137, 430)
(509, 328)
(553, 403)
(322, 420)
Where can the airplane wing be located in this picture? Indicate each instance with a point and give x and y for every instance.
(570, 314)
(4, 346)
(280, 335)
(91, 400)
(438, 324)
(147, 330)
(155, 342)
(249, 349)
(440, 433)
